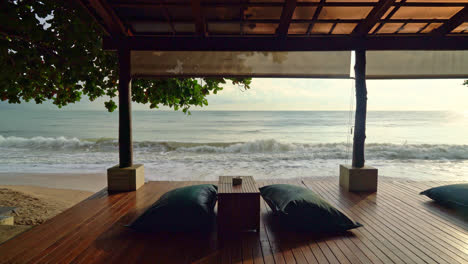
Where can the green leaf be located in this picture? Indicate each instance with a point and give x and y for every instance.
(110, 105)
(65, 62)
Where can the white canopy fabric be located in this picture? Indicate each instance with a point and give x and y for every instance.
(416, 64)
(317, 64)
(241, 64)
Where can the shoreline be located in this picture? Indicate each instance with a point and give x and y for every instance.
(34, 205)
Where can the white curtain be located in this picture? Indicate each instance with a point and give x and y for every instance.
(231, 64)
(416, 64)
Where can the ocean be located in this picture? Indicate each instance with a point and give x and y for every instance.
(207, 144)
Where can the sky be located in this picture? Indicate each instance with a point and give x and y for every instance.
(319, 94)
(334, 94)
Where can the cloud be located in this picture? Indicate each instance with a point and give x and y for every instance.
(282, 94)
(417, 95)
(336, 94)
(318, 94)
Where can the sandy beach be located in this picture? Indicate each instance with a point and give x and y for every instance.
(92, 182)
(39, 197)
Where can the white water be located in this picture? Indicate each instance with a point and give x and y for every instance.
(415, 145)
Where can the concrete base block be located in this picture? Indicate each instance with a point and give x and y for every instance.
(125, 179)
(358, 179)
(7, 220)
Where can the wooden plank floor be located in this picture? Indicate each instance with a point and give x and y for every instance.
(400, 226)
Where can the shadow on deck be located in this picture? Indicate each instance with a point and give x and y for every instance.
(400, 226)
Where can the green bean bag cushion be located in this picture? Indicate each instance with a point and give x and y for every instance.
(301, 209)
(452, 195)
(188, 208)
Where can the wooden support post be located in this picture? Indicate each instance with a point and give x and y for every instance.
(125, 109)
(357, 177)
(361, 109)
(126, 176)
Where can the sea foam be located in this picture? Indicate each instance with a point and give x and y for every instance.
(375, 151)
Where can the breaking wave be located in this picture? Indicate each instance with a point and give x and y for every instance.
(382, 151)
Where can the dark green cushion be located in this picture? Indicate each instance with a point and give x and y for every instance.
(300, 208)
(453, 195)
(183, 209)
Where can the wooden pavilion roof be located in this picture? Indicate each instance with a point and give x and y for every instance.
(291, 25)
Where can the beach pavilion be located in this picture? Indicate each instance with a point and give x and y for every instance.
(308, 39)
(391, 39)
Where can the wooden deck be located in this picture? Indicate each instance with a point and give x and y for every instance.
(400, 226)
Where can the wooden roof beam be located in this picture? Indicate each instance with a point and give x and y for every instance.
(277, 21)
(168, 19)
(286, 16)
(86, 7)
(389, 16)
(200, 26)
(241, 14)
(112, 22)
(242, 9)
(315, 17)
(156, 4)
(458, 19)
(331, 43)
(363, 28)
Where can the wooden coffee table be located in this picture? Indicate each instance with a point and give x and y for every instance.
(238, 206)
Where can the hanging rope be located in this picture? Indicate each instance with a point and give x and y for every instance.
(350, 126)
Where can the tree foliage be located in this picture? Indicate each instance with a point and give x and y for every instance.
(51, 50)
